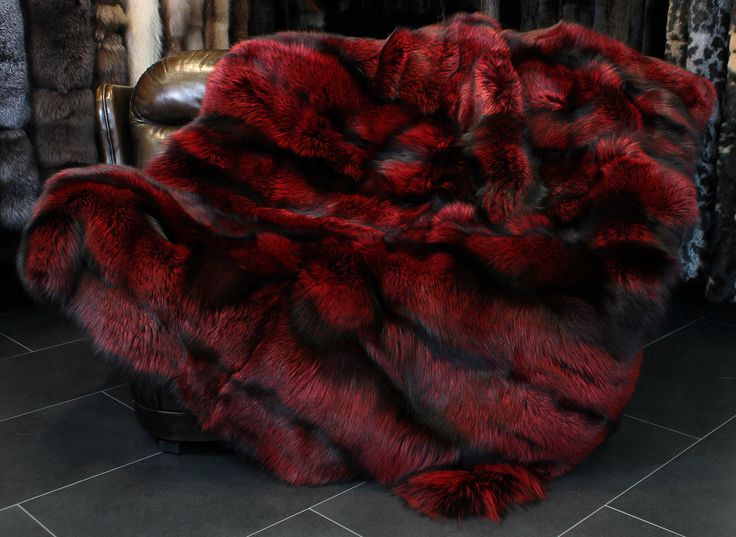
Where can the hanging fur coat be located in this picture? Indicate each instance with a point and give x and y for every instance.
(269, 16)
(217, 24)
(721, 267)
(19, 182)
(239, 16)
(144, 37)
(698, 41)
(183, 21)
(431, 260)
(62, 62)
(112, 55)
(61, 44)
(15, 109)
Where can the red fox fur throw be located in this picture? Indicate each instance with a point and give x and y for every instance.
(431, 261)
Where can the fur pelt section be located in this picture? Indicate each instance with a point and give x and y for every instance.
(64, 128)
(431, 260)
(217, 24)
(19, 183)
(144, 37)
(15, 110)
(195, 35)
(268, 16)
(112, 56)
(176, 14)
(183, 25)
(239, 16)
(61, 45)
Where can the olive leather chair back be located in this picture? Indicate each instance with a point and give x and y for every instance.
(133, 122)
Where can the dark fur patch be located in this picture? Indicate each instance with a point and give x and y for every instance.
(61, 45)
(64, 133)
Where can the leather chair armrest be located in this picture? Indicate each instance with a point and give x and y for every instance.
(113, 124)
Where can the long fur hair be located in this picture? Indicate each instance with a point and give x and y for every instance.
(61, 44)
(144, 37)
(430, 260)
(217, 24)
(239, 16)
(15, 110)
(177, 17)
(112, 55)
(64, 128)
(19, 181)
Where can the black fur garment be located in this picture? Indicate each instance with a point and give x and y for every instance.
(19, 184)
(64, 127)
(61, 44)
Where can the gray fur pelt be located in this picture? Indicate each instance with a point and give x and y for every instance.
(15, 110)
(61, 43)
(112, 56)
(19, 183)
(64, 128)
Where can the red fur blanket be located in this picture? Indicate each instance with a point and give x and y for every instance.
(431, 261)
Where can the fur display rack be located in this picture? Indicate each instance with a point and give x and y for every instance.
(431, 260)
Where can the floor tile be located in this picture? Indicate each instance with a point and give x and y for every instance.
(13, 297)
(306, 524)
(610, 523)
(122, 394)
(635, 450)
(688, 380)
(9, 347)
(54, 447)
(696, 493)
(38, 328)
(36, 380)
(207, 493)
(688, 304)
(725, 314)
(15, 523)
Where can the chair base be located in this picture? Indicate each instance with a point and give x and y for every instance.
(171, 429)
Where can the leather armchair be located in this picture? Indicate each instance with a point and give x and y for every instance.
(132, 124)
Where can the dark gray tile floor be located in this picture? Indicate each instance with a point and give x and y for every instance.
(74, 463)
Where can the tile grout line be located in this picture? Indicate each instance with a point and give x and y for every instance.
(668, 334)
(16, 342)
(36, 520)
(722, 323)
(334, 522)
(116, 399)
(662, 427)
(304, 510)
(650, 474)
(19, 504)
(31, 351)
(62, 403)
(645, 521)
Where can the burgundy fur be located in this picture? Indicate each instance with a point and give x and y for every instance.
(431, 260)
